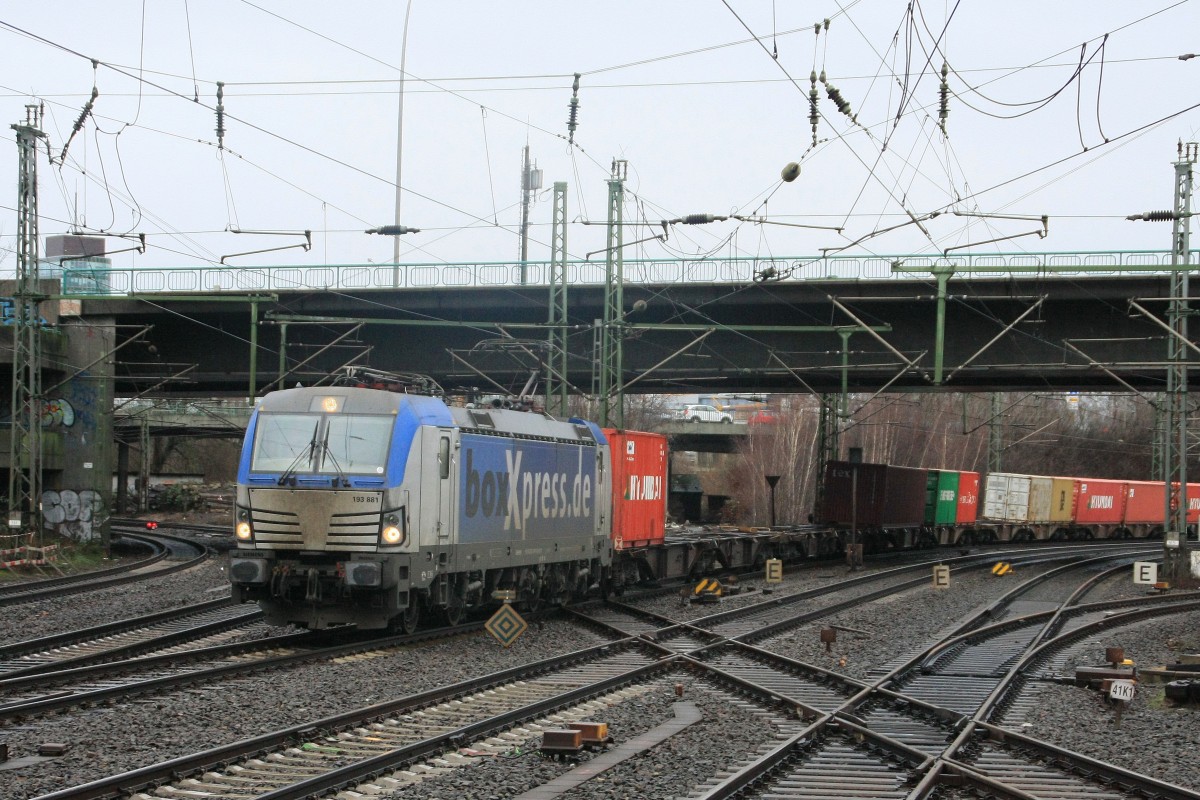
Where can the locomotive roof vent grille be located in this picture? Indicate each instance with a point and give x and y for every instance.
(482, 419)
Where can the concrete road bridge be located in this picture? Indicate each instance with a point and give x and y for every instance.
(1050, 321)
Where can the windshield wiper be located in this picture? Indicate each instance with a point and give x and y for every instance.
(290, 472)
(341, 478)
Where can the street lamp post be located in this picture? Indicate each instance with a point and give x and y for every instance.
(400, 143)
(396, 231)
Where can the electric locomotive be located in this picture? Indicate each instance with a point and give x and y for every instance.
(357, 505)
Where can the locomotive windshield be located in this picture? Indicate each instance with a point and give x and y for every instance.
(321, 443)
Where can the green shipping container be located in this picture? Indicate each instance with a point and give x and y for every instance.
(941, 497)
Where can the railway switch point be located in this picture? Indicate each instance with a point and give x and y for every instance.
(1094, 677)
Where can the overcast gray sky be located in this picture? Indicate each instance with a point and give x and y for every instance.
(706, 101)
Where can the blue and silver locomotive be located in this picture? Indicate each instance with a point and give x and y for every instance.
(376, 508)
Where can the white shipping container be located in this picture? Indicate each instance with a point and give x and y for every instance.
(1006, 497)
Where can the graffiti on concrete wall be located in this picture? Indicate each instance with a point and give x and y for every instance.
(57, 412)
(71, 514)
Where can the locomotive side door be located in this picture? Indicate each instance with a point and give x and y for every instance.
(446, 461)
(437, 502)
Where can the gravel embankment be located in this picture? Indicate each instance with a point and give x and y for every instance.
(1154, 738)
(34, 620)
(107, 741)
(726, 731)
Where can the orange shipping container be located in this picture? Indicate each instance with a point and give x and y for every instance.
(639, 481)
(968, 498)
(1145, 503)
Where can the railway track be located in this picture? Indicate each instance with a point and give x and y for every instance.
(156, 564)
(836, 736)
(163, 548)
(31, 695)
(123, 639)
(925, 723)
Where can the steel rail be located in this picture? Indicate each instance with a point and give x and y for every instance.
(155, 775)
(843, 717)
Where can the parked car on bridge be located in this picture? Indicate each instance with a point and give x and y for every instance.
(698, 413)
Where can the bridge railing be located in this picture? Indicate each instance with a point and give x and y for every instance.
(93, 281)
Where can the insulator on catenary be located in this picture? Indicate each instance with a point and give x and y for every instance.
(697, 219)
(813, 116)
(838, 100)
(573, 114)
(944, 95)
(83, 115)
(1154, 216)
(220, 115)
(87, 109)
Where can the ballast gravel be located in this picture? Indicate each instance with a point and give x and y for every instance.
(1154, 737)
(202, 583)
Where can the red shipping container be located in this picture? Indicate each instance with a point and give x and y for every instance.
(968, 498)
(1193, 503)
(1145, 503)
(639, 481)
(1099, 502)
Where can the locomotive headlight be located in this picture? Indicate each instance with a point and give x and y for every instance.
(242, 529)
(393, 530)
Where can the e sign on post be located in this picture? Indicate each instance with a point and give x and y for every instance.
(941, 576)
(1145, 572)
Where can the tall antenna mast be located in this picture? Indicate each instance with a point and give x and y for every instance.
(531, 181)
